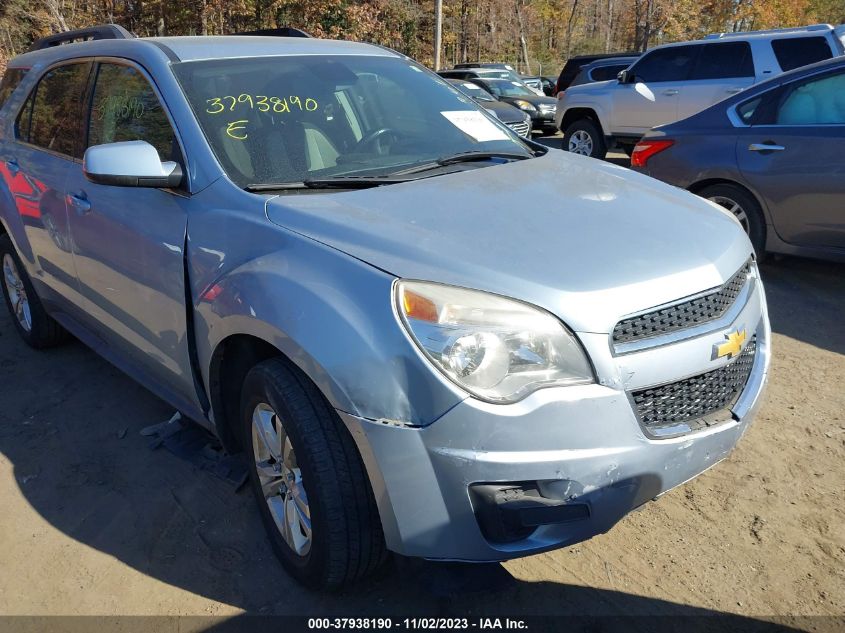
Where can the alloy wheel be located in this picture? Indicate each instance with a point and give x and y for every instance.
(281, 479)
(17, 293)
(734, 207)
(580, 142)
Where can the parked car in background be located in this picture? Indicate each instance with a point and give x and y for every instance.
(541, 109)
(574, 65)
(672, 82)
(501, 65)
(544, 85)
(602, 70)
(492, 72)
(335, 261)
(518, 120)
(774, 156)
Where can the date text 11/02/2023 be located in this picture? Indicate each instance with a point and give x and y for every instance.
(262, 103)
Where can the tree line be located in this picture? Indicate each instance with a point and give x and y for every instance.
(473, 30)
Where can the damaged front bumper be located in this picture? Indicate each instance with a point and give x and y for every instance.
(489, 482)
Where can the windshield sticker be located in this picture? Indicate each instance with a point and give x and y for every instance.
(262, 103)
(470, 86)
(475, 125)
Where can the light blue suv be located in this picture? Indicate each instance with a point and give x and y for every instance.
(336, 262)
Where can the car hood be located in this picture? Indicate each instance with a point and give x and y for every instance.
(505, 112)
(586, 240)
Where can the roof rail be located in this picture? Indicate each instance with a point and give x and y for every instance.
(284, 31)
(794, 29)
(101, 32)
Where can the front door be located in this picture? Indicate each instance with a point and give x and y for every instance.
(129, 241)
(651, 98)
(793, 156)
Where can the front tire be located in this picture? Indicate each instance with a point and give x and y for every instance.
(745, 208)
(313, 492)
(585, 138)
(37, 328)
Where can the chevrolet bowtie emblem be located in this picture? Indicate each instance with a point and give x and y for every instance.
(732, 346)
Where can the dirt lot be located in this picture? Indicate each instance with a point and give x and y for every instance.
(95, 522)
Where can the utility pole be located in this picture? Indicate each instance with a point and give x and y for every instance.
(438, 32)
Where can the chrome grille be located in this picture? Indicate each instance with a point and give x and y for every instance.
(521, 128)
(683, 315)
(693, 401)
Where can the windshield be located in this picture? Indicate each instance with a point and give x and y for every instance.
(474, 91)
(498, 73)
(509, 89)
(293, 118)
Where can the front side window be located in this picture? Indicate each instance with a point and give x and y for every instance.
(795, 52)
(674, 63)
(10, 81)
(728, 60)
(125, 108)
(288, 119)
(51, 116)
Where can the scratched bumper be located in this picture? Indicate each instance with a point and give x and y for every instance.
(583, 444)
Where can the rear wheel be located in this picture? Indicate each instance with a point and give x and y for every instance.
(584, 137)
(744, 207)
(313, 493)
(31, 320)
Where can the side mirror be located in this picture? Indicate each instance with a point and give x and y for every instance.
(129, 164)
(623, 76)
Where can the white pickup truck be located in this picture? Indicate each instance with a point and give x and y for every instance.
(675, 81)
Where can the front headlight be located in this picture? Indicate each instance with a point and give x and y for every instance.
(498, 349)
(524, 105)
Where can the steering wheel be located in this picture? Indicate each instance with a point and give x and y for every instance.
(374, 138)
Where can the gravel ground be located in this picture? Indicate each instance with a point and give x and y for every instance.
(95, 522)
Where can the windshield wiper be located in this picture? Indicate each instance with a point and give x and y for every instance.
(462, 157)
(336, 182)
(466, 157)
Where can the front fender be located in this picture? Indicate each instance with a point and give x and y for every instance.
(585, 103)
(332, 316)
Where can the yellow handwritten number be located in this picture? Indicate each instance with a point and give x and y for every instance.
(234, 128)
(261, 100)
(215, 102)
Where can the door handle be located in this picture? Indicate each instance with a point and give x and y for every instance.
(13, 167)
(79, 201)
(765, 147)
(671, 92)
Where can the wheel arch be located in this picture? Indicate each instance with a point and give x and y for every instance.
(701, 185)
(581, 112)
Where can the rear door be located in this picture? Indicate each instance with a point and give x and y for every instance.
(651, 99)
(129, 241)
(722, 69)
(793, 157)
(35, 167)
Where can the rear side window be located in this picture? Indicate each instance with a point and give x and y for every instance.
(51, 116)
(11, 80)
(795, 52)
(674, 63)
(125, 108)
(604, 73)
(724, 61)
